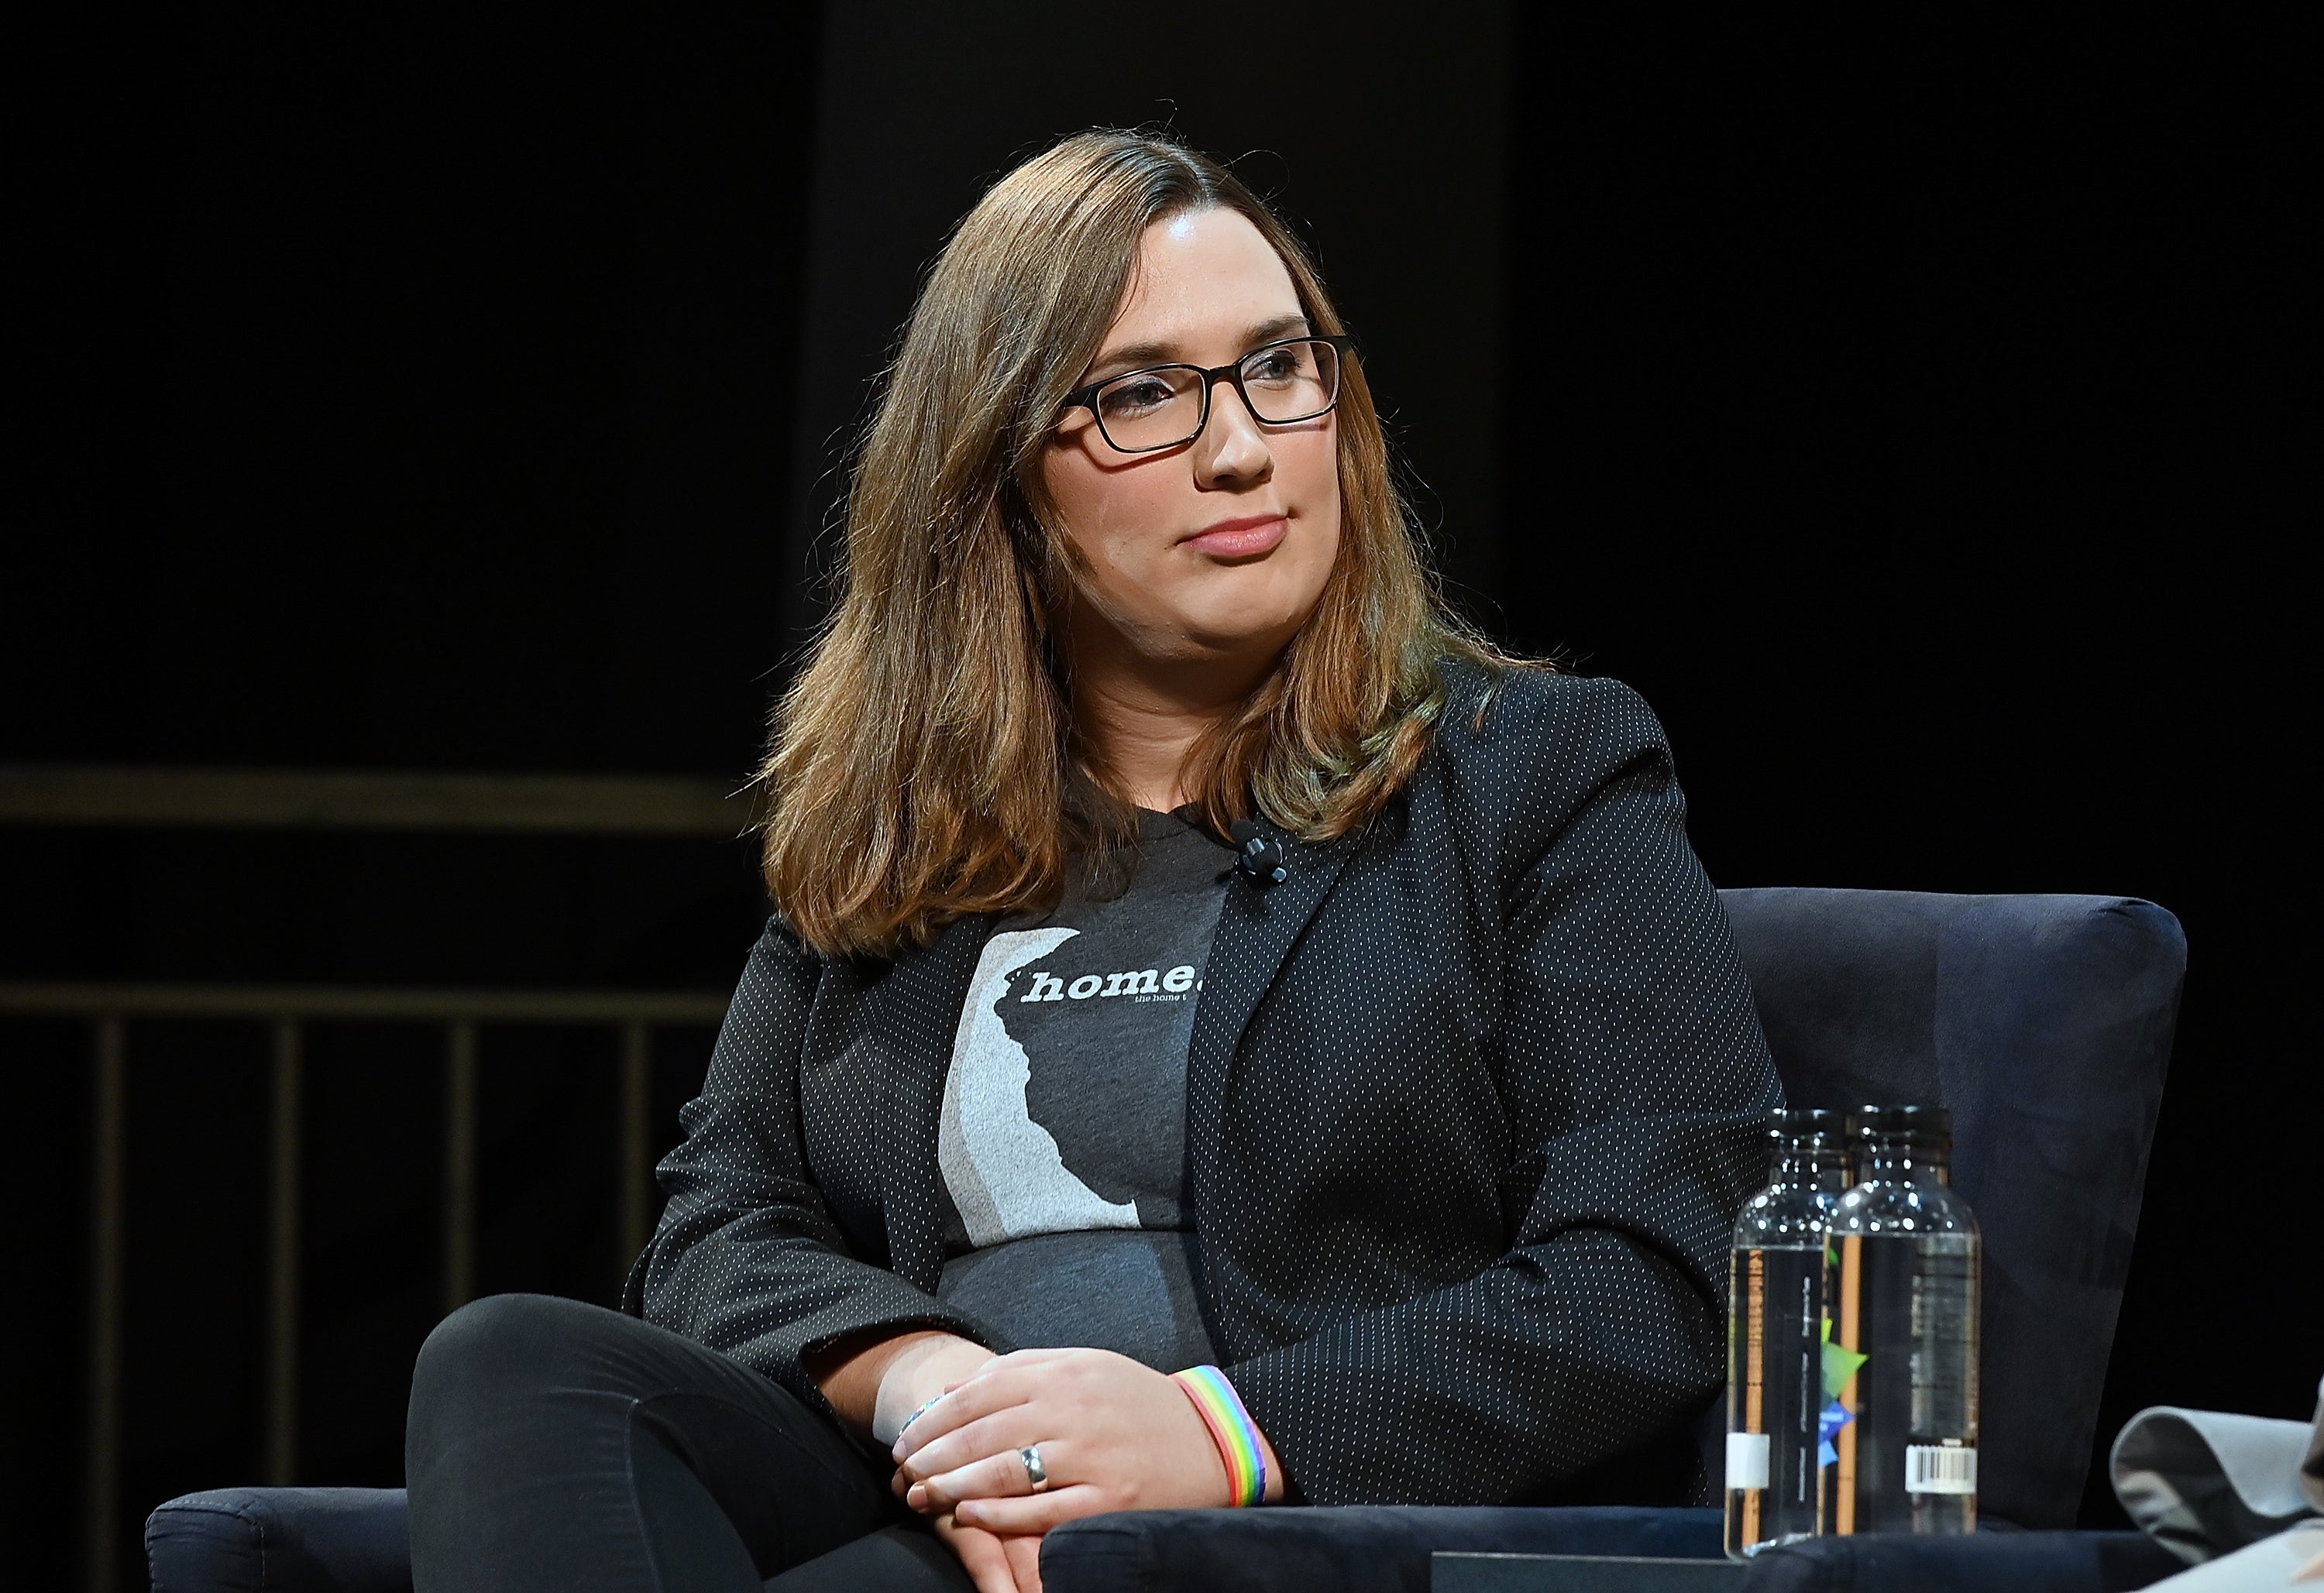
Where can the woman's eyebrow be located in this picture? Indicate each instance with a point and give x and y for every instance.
(1268, 331)
(1132, 355)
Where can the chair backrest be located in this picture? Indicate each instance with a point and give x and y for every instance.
(2043, 1023)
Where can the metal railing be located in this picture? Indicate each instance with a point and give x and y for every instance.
(287, 1011)
(183, 797)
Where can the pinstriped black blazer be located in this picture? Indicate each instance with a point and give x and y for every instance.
(1472, 1102)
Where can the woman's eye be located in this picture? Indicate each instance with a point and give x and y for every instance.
(1274, 365)
(1135, 397)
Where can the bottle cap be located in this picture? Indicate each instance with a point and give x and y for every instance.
(1918, 1127)
(1806, 1130)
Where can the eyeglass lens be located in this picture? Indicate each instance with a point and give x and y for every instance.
(1162, 407)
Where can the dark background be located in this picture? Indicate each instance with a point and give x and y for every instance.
(1912, 414)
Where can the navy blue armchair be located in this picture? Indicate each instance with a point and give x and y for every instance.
(2043, 1022)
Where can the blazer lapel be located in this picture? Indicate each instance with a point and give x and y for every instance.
(1257, 928)
(922, 997)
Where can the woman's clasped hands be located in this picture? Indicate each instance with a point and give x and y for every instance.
(1107, 1433)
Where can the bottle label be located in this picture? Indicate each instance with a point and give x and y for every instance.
(1929, 1468)
(1747, 1460)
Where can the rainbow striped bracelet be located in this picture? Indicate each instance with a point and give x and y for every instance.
(1232, 1428)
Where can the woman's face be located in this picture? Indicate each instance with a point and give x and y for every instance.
(1214, 552)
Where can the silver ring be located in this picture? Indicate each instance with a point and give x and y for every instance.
(1031, 1455)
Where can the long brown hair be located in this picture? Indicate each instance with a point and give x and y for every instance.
(923, 762)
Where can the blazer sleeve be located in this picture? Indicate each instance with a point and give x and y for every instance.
(1636, 1082)
(748, 1259)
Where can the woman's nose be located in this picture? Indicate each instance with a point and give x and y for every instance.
(1233, 446)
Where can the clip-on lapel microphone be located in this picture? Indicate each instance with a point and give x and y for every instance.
(1258, 856)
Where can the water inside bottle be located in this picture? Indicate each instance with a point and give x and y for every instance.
(1776, 1486)
(1907, 1456)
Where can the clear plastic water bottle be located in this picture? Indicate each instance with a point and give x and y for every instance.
(1905, 1317)
(1778, 1289)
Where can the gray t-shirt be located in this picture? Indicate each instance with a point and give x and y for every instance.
(1063, 1142)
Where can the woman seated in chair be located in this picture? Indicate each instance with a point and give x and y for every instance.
(1230, 1037)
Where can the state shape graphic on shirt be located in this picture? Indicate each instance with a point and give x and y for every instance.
(1003, 1170)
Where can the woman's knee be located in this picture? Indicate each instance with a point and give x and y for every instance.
(504, 1348)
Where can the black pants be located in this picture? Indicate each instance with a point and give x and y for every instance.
(558, 1445)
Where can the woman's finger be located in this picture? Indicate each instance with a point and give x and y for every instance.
(982, 1556)
(995, 1477)
(1003, 1476)
(1024, 1559)
(1011, 1428)
(979, 1396)
(1035, 1512)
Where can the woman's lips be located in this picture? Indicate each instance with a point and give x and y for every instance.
(1241, 539)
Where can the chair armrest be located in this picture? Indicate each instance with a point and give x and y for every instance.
(281, 1539)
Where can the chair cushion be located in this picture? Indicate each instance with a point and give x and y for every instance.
(1346, 1548)
(2043, 1023)
(289, 1539)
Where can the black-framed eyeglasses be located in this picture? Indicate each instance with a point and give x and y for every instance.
(1163, 407)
